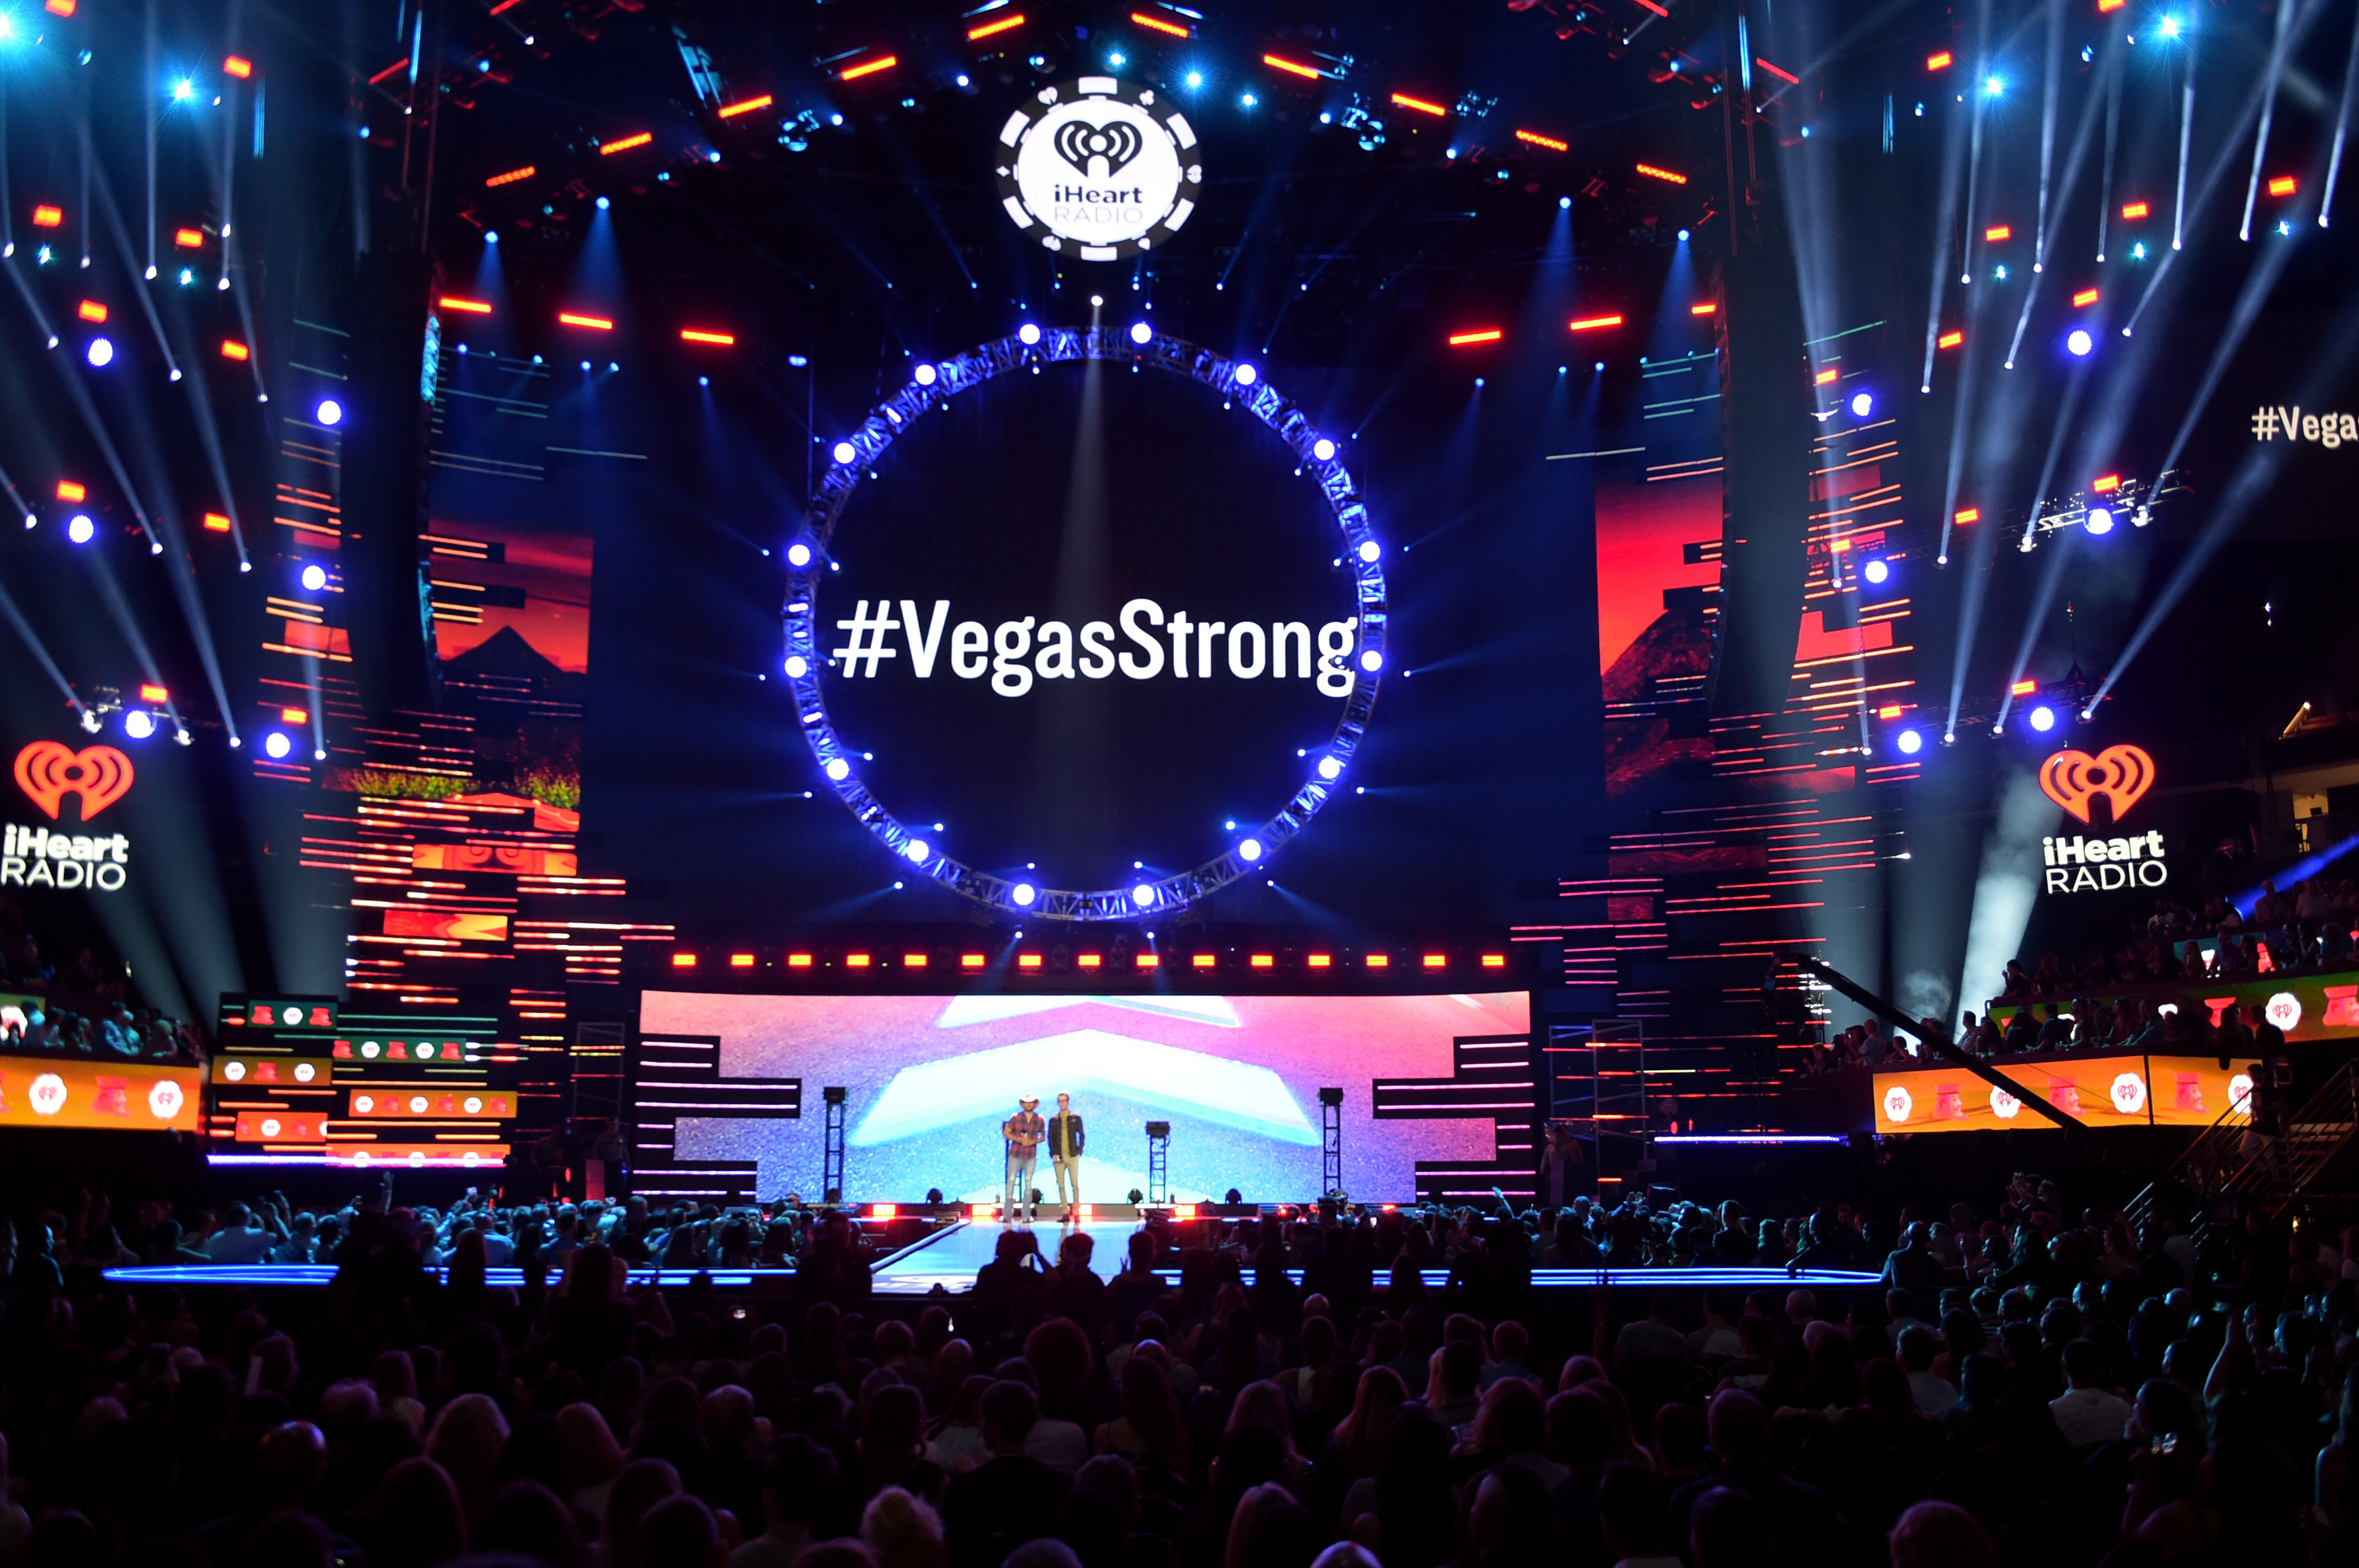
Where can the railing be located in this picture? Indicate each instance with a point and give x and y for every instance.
(2229, 1160)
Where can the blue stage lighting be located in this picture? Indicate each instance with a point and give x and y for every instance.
(2043, 718)
(1022, 894)
(924, 375)
(799, 554)
(1027, 334)
(1875, 572)
(139, 724)
(838, 769)
(1143, 895)
(2078, 341)
(2099, 521)
(1862, 404)
(1247, 101)
(918, 851)
(80, 529)
(1140, 333)
(1249, 850)
(845, 452)
(704, 381)
(603, 203)
(1564, 203)
(1370, 549)
(1371, 660)
(101, 352)
(2171, 27)
(1329, 767)
(1683, 237)
(1246, 374)
(276, 746)
(491, 236)
(1195, 79)
(1910, 742)
(1323, 450)
(796, 666)
(1993, 86)
(330, 412)
(315, 578)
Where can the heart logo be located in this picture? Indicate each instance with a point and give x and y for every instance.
(48, 1095)
(1117, 143)
(2122, 773)
(48, 771)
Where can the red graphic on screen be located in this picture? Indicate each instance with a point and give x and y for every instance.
(48, 772)
(2073, 780)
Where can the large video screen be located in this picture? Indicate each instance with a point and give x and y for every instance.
(929, 1080)
(2101, 1091)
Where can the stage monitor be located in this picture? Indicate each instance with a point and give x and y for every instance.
(1432, 1085)
(2101, 1091)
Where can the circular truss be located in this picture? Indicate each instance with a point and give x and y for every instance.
(853, 458)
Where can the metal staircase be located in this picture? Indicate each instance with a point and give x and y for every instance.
(2223, 1164)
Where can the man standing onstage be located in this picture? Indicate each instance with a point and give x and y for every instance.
(1065, 1154)
(1023, 1132)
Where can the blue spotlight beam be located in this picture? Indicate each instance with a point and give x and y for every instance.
(2108, 70)
(2300, 871)
(2333, 160)
(40, 654)
(2286, 8)
(2054, 88)
(2113, 136)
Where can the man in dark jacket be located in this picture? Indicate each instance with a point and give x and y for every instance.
(1065, 1154)
(1011, 1497)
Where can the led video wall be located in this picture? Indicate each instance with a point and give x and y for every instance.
(1438, 1090)
(2101, 1091)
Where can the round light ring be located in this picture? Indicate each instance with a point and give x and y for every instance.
(1030, 347)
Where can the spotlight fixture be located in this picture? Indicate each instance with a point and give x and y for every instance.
(315, 578)
(1143, 895)
(1141, 333)
(80, 529)
(100, 353)
(1910, 741)
(276, 746)
(2100, 520)
(1023, 893)
(838, 769)
(2079, 343)
(799, 554)
(1246, 375)
(1249, 850)
(330, 412)
(1027, 334)
(1329, 767)
(924, 375)
(1863, 404)
(2043, 718)
(1875, 572)
(139, 724)
(1323, 450)
(845, 452)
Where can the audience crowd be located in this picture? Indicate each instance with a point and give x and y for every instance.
(80, 1008)
(2026, 1384)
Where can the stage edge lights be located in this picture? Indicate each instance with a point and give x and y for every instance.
(856, 453)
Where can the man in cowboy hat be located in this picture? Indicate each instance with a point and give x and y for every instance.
(1024, 1132)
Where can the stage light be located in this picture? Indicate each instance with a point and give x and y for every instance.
(1143, 895)
(2079, 343)
(1421, 105)
(2043, 718)
(869, 67)
(1323, 450)
(2171, 27)
(277, 746)
(1022, 894)
(1329, 767)
(2133, 211)
(585, 366)
(575, 319)
(1553, 143)
(1027, 334)
(2282, 185)
(744, 106)
(924, 375)
(510, 178)
(1140, 333)
(706, 335)
(1875, 572)
(315, 578)
(2085, 297)
(1592, 323)
(183, 90)
(491, 236)
(799, 554)
(1195, 79)
(845, 452)
(238, 67)
(2099, 521)
(1939, 61)
(139, 724)
(918, 851)
(1910, 742)
(2105, 483)
(330, 412)
(91, 310)
(2023, 688)
(233, 349)
(796, 666)
(48, 217)
(1370, 549)
(1564, 203)
(101, 352)
(838, 769)
(1862, 404)
(73, 490)
(1249, 850)
(1292, 67)
(1116, 59)
(986, 29)
(1245, 374)
(1993, 86)
(637, 139)
(80, 529)
(603, 203)
(1950, 339)
(704, 381)
(214, 523)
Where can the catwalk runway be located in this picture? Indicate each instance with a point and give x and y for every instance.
(950, 1257)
